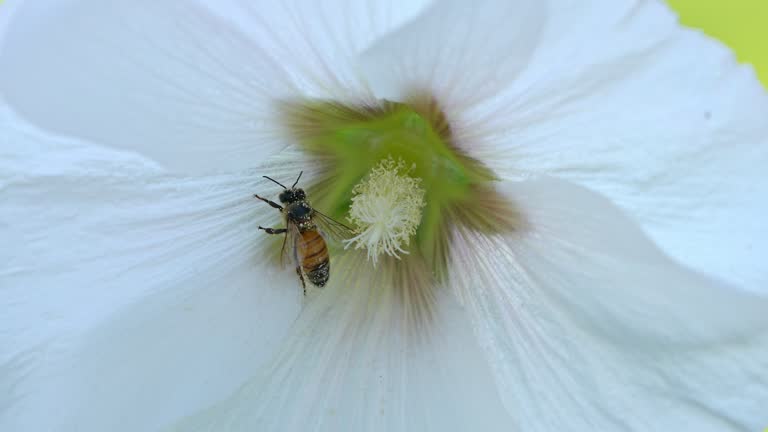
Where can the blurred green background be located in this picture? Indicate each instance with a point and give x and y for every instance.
(740, 24)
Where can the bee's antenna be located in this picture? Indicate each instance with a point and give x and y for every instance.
(275, 181)
(297, 180)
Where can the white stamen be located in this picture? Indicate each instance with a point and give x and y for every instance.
(386, 210)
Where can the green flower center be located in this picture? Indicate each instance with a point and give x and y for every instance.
(352, 141)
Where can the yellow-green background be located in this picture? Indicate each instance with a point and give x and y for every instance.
(740, 24)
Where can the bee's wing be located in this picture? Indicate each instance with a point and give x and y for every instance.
(288, 251)
(332, 228)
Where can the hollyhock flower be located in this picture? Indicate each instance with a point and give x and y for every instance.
(472, 146)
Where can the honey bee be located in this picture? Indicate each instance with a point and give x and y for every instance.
(304, 231)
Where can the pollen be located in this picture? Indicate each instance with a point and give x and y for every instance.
(386, 210)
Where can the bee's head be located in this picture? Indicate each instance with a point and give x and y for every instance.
(292, 195)
(288, 195)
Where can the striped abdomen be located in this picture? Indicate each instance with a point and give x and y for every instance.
(313, 256)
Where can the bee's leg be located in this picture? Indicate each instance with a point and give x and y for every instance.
(301, 276)
(273, 230)
(272, 203)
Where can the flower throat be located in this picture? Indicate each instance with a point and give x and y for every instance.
(351, 142)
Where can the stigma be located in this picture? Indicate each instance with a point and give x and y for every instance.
(386, 210)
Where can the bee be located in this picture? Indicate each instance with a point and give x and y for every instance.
(304, 231)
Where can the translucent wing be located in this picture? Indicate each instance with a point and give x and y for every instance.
(331, 228)
(288, 251)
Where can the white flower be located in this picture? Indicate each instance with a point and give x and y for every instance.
(140, 298)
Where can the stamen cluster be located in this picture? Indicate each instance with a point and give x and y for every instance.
(386, 209)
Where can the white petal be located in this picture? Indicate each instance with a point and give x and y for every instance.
(458, 51)
(660, 119)
(357, 360)
(318, 42)
(590, 327)
(168, 79)
(190, 88)
(125, 291)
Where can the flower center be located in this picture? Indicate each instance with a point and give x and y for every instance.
(352, 142)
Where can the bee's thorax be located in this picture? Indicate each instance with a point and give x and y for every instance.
(300, 213)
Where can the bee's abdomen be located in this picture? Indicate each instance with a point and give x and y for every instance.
(319, 275)
(313, 254)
